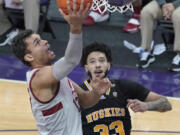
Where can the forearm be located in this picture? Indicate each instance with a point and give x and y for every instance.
(89, 99)
(72, 57)
(160, 105)
(73, 51)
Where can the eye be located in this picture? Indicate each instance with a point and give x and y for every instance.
(37, 42)
(92, 61)
(101, 60)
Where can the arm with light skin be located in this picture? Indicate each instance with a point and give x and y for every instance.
(90, 98)
(44, 83)
(153, 102)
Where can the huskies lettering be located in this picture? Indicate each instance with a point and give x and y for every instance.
(104, 113)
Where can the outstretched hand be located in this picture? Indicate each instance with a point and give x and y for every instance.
(137, 105)
(101, 86)
(75, 16)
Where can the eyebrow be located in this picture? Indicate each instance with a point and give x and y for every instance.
(98, 58)
(92, 59)
(102, 57)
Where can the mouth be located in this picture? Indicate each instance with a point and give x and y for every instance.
(50, 52)
(98, 73)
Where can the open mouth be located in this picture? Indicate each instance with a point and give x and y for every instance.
(98, 73)
(49, 51)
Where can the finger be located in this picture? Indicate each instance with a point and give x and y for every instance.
(130, 102)
(113, 85)
(105, 81)
(135, 110)
(134, 107)
(128, 105)
(74, 5)
(110, 83)
(69, 6)
(62, 13)
(81, 6)
(136, 103)
(86, 9)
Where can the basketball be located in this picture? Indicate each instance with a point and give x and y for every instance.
(62, 4)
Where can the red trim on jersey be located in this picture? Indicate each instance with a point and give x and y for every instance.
(43, 102)
(53, 109)
(70, 84)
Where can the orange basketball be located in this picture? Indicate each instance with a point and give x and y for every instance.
(62, 4)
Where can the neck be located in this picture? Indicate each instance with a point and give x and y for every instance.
(39, 65)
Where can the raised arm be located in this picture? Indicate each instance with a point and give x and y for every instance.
(74, 49)
(73, 53)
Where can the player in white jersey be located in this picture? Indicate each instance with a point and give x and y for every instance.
(55, 99)
(59, 115)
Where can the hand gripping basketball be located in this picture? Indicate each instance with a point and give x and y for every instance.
(62, 4)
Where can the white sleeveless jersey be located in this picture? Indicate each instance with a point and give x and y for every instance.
(60, 115)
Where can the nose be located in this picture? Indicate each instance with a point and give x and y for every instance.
(98, 64)
(44, 42)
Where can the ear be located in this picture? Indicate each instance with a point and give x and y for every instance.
(109, 66)
(86, 68)
(28, 57)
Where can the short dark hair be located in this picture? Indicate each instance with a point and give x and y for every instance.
(95, 46)
(19, 45)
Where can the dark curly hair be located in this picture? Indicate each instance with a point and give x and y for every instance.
(19, 46)
(95, 46)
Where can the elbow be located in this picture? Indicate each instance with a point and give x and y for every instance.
(165, 109)
(169, 107)
(166, 106)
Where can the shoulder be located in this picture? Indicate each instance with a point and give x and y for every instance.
(44, 77)
(123, 82)
(126, 85)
